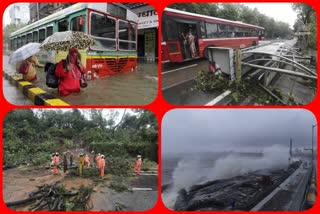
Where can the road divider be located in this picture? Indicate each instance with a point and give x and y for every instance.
(37, 95)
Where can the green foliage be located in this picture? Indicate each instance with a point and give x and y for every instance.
(312, 28)
(240, 90)
(8, 29)
(119, 184)
(118, 165)
(304, 11)
(147, 165)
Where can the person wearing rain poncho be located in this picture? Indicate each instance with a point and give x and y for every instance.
(69, 71)
(28, 68)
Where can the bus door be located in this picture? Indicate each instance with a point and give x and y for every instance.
(188, 37)
(173, 42)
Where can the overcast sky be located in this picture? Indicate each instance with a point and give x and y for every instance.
(279, 11)
(225, 129)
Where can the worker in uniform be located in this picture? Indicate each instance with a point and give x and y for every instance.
(55, 163)
(81, 164)
(98, 160)
(102, 164)
(87, 161)
(137, 166)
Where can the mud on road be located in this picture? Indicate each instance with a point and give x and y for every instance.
(19, 182)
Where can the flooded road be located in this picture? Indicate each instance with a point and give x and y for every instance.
(132, 88)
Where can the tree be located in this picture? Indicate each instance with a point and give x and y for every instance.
(312, 28)
(229, 11)
(304, 12)
(8, 29)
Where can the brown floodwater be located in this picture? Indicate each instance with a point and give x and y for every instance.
(131, 88)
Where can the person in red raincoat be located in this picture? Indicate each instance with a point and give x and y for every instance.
(69, 73)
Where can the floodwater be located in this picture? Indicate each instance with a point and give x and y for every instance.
(131, 88)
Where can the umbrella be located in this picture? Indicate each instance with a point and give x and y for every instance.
(24, 52)
(62, 41)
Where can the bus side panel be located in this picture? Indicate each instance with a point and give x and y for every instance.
(164, 52)
(234, 43)
(174, 51)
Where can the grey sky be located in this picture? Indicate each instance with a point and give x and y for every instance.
(186, 130)
(279, 11)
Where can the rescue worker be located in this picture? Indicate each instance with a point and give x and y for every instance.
(69, 71)
(102, 164)
(98, 160)
(81, 163)
(137, 166)
(87, 161)
(55, 163)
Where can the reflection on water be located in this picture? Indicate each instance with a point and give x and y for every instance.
(132, 88)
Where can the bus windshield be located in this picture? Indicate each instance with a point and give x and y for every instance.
(127, 35)
(103, 29)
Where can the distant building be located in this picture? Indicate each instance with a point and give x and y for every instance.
(147, 31)
(19, 13)
(41, 10)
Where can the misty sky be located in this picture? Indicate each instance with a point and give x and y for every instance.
(191, 130)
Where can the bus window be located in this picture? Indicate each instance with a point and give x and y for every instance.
(15, 44)
(42, 35)
(35, 36)
(212, 30)
(172, 30)
(222, 30)
(11, 44)
(103, 28)
(29, 37)
(23, 40)
(63, 25)
(49, 31)
(127, 35)
(18, 42)
(77, 24)
(202, 30)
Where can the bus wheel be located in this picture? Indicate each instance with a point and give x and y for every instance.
(254, 43)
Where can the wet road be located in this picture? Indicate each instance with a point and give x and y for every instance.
(132, 88)
(178, 82)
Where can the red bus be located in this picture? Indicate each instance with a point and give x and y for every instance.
(180, 27)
